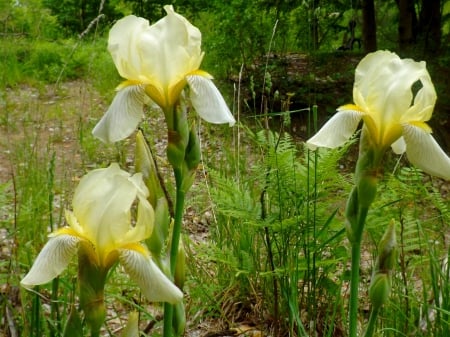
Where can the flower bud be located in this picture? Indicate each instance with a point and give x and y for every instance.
(175, 150)
(132, 327)
(193, 152)
(379, 289)
(180, 266)
(179, 319)
(380, 285)
(178, 137)
(387, 250)
(155, 242)
(144, 163)
(351, 213)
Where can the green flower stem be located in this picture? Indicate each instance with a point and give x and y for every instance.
(354, 284)
(355, 266)
(176, 233)
(168, 317)
(372, 322)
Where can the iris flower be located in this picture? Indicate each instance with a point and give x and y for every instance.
(103, 204)
(395, 98)
(158, 61)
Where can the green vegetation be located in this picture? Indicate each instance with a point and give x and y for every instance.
(264, 229)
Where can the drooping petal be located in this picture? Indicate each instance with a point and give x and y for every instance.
(337, 130)
(399, 146)
(152, 281)
(52, 260)
(425, 153)
(208, 101)
(123, 116)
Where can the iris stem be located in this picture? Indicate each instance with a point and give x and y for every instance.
(355, 266)
(176, 233)
(354, 285)
(372, 320)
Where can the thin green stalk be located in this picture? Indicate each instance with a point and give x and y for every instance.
(168, 317)
(176, 233)
(354, 279)
(178, 220)
(372, 323)
(354, 285)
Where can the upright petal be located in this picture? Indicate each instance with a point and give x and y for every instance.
(102, 205)
(153, 283)
(179, 47)
(392, 91)
(123, 38)
(424, 152)
(208, 102)
(337, 130)
(123, 116)
(52, 260)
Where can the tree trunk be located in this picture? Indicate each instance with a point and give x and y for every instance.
(430, 25)
(369, 27)
(407, 24)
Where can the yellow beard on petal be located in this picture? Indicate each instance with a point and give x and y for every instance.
(424, 126)
(174, 92)
(136, 247)
(157, 95)
(110, 259)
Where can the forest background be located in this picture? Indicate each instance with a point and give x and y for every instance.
(264, 221)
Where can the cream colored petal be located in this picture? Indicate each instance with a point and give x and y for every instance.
(102, 205)
(169, 49)
(123, 116)
(399, 146)
(52, 260)
(153, 283)
(336, 131)
(384, 88)
(425, 153)
(124, 38)
(144, 223)
(208, 101)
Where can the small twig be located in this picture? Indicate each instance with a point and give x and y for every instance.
(160, 177)
(11, 323)
(152, 323)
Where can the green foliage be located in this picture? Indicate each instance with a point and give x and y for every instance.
(76, 16)
(28, 19)
(272, 236)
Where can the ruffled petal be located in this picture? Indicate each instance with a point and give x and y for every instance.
(122, 44)
(337, 130)
(425, 153)
(208, 101)
(152, 281)
(52, 260)
(123, 116)
(102, 206)
(144, 223)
